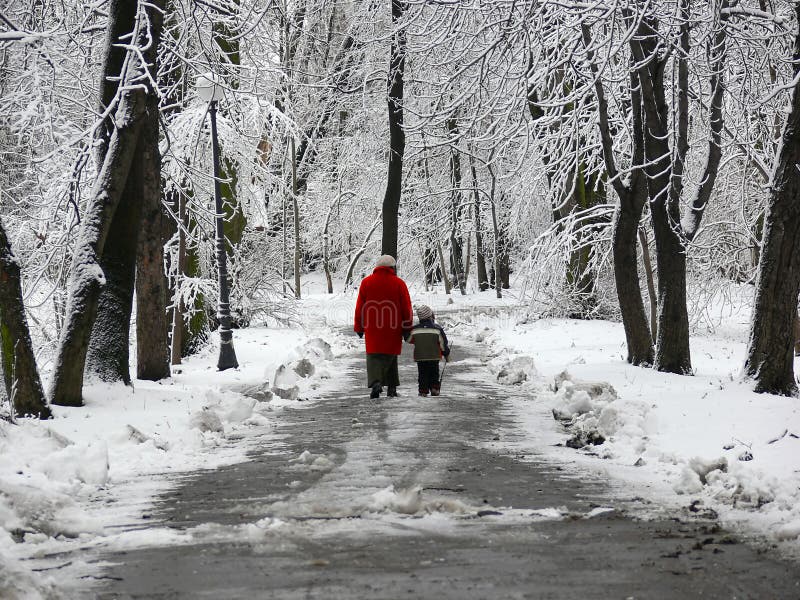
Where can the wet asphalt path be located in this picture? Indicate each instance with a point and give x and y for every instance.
(299, 529)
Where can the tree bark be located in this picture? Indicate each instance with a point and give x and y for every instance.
(672, 339)
(108, 356)
(152, 344)
(456, 246)
(296, 215)
(480, 257)
(626, 276)
(397, 137)
(87, 278)
(18, 362)
(651, 286)
(631, 198)
(770, 359)
(443, 268)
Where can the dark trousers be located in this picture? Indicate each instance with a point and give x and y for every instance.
(382, 370)
(428, 371)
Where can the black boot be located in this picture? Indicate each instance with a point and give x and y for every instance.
(376, 391)
(391, 391)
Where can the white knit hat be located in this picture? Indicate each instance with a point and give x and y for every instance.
(387, 260)
(424, 312)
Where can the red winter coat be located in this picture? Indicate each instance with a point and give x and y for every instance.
(383, 311)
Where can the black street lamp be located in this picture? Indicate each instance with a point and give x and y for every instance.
(210, 91)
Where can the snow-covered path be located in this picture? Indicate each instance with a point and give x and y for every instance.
(421, 498)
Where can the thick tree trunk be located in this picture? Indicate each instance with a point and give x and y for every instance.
(109, 345)
(108, 355)
(770, 356)
(87, 278)
(632, 196)
(121, 22)
(397, 137)
(152, 344)
(672, 338)
(20, 374)
(626, 276)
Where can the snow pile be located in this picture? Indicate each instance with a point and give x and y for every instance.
(514, 370)
(680, 440)
(118, 447)
(412, 501)
(41, 477)
(307, 461)
(306, 365)
(593, 413)
(44, 478)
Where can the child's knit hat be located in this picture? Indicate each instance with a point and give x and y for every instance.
(424, 312)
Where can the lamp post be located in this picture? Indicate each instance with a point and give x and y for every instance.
(210, 91)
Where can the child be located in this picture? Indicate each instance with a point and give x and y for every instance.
(430, 344)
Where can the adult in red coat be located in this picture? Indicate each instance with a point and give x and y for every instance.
(383, 316)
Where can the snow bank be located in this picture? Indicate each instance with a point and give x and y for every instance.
(63, 481)
(680, 440)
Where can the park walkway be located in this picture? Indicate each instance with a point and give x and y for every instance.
(469, 519)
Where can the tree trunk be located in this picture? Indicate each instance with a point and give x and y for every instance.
(20, 374)
(626, 276)
(456, 248)
(632, 196)
(480, 258)
(152, 344)
(672, 338)
(108, 355)
(443, 267)
(296, 214)
(430, 261)
(176, 341)
(770, 357)
(397, 137)
(87, 279)
(109, 344)
(651, 286)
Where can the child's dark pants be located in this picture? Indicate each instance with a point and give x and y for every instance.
(428, 377)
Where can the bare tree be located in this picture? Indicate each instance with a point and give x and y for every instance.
(397, 137)
(770, 356)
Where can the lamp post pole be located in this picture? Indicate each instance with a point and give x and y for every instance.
(227, 355)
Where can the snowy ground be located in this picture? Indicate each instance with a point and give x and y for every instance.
(63, 481)
(705, 441)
